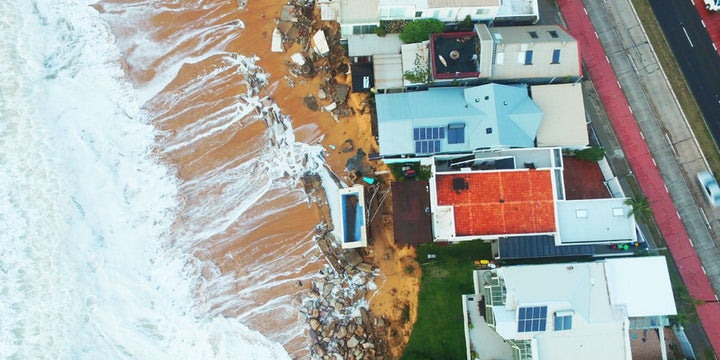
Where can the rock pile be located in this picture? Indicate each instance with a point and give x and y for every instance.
(340, 326)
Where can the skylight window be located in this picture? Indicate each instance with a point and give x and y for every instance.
(532, 318)
(563, 320)
(456, 133)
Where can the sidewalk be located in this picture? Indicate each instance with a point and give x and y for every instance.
(654, 137)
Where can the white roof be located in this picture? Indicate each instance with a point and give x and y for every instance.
(600, 296)
(595, 220)
(641, 285)
(563, 122)
(359, 12)
(371, 44)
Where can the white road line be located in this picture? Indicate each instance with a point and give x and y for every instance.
(688, 37)
(703, 23)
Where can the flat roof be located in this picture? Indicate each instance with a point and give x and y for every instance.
(411, 220)
(595, 220)
(371, 44)
(563, 123)
(359, 12)
(388, 71)
(454, 55)
(499, 202)
(641, 285)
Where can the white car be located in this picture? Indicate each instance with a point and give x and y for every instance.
(710, 187)
(712, 5)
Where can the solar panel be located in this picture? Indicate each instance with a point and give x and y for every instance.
(532, 318)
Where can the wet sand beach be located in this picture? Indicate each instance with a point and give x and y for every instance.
(245, 214)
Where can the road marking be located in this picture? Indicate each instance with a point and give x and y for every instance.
(606, 59)
(678, 215)
(703, 22)
(691, 243)
(666, 189)
(703, 269)
(618, 82)
(629, 108)
(714, 46)
(688, 37)
(585, 10)
(641, 134)
(596, 35)
(654, 163)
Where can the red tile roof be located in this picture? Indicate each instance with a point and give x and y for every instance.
(505, 202)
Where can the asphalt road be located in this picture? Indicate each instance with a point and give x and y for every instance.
(693, 49)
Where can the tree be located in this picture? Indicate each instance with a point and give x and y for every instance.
(640, 207)
(420, 30)
(592, 153)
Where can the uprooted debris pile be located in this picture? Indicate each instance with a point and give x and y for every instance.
(297, 24)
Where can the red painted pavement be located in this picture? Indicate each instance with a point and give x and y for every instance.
(711, 21)
(640, 159)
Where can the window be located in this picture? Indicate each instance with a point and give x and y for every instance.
(418, 14)
(563, 320)
(528, 57)
(553, 34)
(533, 34)
(397, 12)
(456, 133)
(363, 29)
(581, 213)
(556, 56)
(488, 130)
(532, 318)
(481, 11)
(436, 14)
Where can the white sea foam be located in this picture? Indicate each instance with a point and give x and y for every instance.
(87, 269)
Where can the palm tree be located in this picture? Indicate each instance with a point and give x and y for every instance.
(640, 207)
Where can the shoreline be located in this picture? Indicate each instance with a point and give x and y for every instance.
(384, 328)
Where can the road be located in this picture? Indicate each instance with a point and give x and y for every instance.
(695, 54)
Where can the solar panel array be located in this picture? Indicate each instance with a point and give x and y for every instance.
(427, 139)
(532, 318)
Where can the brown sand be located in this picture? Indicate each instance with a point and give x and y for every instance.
(237, 252)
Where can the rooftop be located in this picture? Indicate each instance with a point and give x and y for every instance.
(563, 110)
(578, 310)
(458, 119)
(454, 55)
(498, 202)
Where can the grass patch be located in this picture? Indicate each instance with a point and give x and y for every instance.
(677, 81)
(438, 332)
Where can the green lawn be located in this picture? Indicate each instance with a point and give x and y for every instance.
(438, 332)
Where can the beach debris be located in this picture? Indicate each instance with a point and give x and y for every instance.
(320, 45)
(276, 44)
(332, 147)
(322, 95)
(311, 103)
(341, 93)
(347, 146)
(289, 13)
(330, 107)
(298, 58)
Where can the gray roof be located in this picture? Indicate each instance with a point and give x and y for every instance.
(494, 116)
(371, 44)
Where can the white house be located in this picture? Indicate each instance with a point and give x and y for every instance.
(568, 311)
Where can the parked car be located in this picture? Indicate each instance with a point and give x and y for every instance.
(710, 187)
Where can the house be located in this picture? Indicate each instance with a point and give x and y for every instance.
(456, 120)
(448, 11)
(358, 16)
(518, 194)
(544, 54)
(586, 310)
